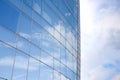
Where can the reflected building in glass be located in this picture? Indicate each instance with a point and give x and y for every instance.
(39, 40)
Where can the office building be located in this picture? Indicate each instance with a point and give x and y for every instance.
(39, 40)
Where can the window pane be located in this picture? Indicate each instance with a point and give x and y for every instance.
(7, 36)
(46, 42)
(57, 65)
(56, 47)
(46, 73)
(47, 59)
(37, 6)
(17, 3)
(23, 44)
(29, 2)
(7, 18)
(70, 74)
(25, 26)
(6, 61)
(49, 14)
(36, 34)
(56, 75)
(62, 77)
(64, 69)
(33, 72)
(63, 55)
(35, 51)
(27, 10)
(20, 67)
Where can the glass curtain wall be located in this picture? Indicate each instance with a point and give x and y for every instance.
(39, 40)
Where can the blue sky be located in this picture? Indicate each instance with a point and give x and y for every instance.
(100, 39)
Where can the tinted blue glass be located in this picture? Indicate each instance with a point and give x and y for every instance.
(7, 18)
(35, 51)
(20, 66)
(63, 69)
(25, 26)
(29, 2)
(46, 34)
(47, 59)
(23, 44)
(6, 61)
(46, 73)
(36, 33)
(33, 71)
(7, 36)
(37, 6)
(49, 14)
(57, 65)
(56, 75)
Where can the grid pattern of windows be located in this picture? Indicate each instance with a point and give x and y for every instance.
(39, 40)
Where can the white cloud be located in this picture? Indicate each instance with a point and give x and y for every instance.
(20, 63)
(67, 14)
(99, 36)
(27, 36)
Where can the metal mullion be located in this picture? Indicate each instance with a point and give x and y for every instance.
(16, 47)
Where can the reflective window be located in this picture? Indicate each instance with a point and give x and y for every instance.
(63, 55)
(23, 44)
(37, 4)
(48, 14)
(56, 75)
(70, 74)
(27, 10)
(57, 50)
(44, 35)
(25, 26)
(46, 42)
(7, 18)
(62, 77)
(29, 2)
(7, 55)
(74, 64)
(33, 71)
(57, 65)
(20, 66)
(47, 59)
(46, 73)
(17, 3)
(7, 36)
(36, 34)
(70, 61)
(35, 51)
(63, 69)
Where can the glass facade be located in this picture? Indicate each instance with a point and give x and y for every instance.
(39, 40)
